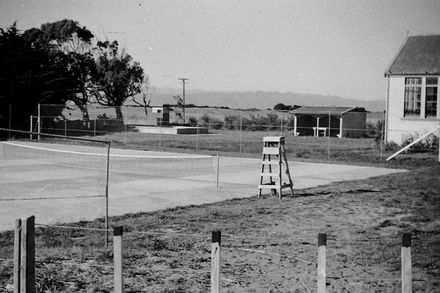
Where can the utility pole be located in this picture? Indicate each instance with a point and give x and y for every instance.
(183, 79)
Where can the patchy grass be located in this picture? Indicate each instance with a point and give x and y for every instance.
(268, 245)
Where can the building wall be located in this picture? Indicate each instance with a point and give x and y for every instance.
(354, 124)
(398, 127)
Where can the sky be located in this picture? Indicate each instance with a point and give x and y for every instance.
(337, 47)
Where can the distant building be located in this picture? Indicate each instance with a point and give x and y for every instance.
(333, 121)
(412, 97)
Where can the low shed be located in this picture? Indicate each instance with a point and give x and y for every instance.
(333, 121)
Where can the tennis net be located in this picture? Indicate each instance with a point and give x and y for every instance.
(59, 167)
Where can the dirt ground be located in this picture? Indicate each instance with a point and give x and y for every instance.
(268, 245)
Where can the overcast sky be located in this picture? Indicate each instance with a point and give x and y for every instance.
(321, 47)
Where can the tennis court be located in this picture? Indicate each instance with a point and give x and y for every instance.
(65, 183)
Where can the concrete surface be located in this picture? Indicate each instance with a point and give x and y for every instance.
(69, 195)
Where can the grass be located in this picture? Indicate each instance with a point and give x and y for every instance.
(249, 144)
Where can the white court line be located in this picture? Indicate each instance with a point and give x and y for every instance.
(113, 156)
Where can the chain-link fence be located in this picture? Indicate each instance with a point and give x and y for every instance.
(229, 130)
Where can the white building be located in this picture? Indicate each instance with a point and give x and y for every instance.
(413, 95)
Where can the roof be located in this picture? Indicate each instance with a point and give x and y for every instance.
(418, 55)
(318, 110)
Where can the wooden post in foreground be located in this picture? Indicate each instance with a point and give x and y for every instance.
(215, 262)
(322, 247)
(27, 255)
(17, 255)
(117, 259)
(406, 264)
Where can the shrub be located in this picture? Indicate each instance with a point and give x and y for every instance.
(428, 144)
(192, 121)
(232, 122)
(210, 122)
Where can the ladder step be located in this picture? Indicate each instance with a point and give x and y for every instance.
(270, 162)
(271, 151)
(274, 186)
(270, 174)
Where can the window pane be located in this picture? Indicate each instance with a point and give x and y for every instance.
(412, 100)
(431, 80)
(413, 80)
(431, 101)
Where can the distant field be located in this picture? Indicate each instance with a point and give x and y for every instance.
(249, 143)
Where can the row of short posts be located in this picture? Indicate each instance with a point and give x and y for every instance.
(406, 267)
(24, 259)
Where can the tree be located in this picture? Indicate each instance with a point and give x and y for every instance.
(282, 107)
(143, 100)
(72, 42)
(117, 76)
(29, 75)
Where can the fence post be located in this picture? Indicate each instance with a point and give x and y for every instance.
(218, 171)
(281, 122)
(94, 127)
(329, 133)
(406, 264)
(39, 121)
(17, 255)
(27, 255)
(117, 259)
(322, 246)
(215, 261)
(31, 126)
(10, 118)
(241, 129)
(106, 192)
(197, 134)
(438, 145)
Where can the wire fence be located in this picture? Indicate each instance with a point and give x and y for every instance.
(326, 136)
(74, 258)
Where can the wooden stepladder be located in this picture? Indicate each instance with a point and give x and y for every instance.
(274, 158)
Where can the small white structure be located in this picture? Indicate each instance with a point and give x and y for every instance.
(412, 106)
(329, 121)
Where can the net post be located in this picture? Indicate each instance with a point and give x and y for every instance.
(106, 192)
(218, 171)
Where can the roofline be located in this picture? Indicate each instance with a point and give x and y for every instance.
(412, 74)
(348, 110)
(387, 71)
(341, 113)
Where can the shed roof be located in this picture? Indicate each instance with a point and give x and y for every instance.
(418, 55)
(322, 110)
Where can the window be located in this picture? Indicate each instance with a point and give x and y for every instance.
(413, 95)
(431, 97)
